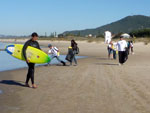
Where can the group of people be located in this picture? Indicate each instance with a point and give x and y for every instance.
(112, 50)
(72, 51)
(122, 48)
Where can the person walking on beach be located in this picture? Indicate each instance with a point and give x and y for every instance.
(75, 51)
(110, 50)
(122, 51)
(128, 47)
(55, 54)
(30, 75)
(131, 46)
(114, 50)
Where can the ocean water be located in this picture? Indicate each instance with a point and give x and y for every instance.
(7, 62)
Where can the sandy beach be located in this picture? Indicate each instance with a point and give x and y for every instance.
(96, 85)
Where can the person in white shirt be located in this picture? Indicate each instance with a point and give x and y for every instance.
(131, 45)
(122, 46)
(55, 54)
(110, 51)
(115, 49)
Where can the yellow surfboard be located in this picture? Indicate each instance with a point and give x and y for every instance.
(34, 55)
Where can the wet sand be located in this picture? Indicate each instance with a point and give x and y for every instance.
(96, 85)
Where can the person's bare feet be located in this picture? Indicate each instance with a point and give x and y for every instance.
(34, 86)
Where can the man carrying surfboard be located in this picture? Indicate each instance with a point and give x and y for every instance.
(33, 43)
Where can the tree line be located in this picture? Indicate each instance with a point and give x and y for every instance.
(141, 33)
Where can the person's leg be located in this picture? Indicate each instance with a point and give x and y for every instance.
(128, 51)
(120, 57)
(32, 76)
(125, 55)
(28, 76)
(57, 57)
(32, 73)
(114, 54)
(108, 52)
(52, 57)
(70, 63)
(111, 56)
(132, 50)
(71, 60)
(75, 60)
(49, 61)
(68, 57)
(119, 54)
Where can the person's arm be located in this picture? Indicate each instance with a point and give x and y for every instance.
(56, 49)
(131, 44)
(38, 46)
(49, 52)
(24, 49)
(116, 46)
(126, 45)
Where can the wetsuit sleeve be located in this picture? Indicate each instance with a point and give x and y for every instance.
(24, 49)
(38, 46)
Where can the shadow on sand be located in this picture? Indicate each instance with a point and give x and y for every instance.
(12, 82)
(107, 64)
(102, 58)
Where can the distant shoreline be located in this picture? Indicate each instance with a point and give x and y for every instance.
(66, 40)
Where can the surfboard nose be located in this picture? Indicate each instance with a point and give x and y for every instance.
(10, 49)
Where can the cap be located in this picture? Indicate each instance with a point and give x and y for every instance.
(49, 45)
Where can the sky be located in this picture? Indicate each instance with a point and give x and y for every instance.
(22, 17)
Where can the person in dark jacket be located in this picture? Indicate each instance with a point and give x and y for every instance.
(70, 55)
(30, 75)
(75, 51)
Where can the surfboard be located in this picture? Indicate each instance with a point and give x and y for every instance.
(33, 54)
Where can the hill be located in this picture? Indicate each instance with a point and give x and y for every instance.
(127, 24)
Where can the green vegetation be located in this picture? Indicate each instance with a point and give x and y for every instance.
(141, 33)
(69, 38)
(125, 25)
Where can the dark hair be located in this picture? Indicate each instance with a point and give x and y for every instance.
(34, 34)
(73, 42)
(49, 45)
(121, 36)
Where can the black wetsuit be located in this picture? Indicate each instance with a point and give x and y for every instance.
(30, 74)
